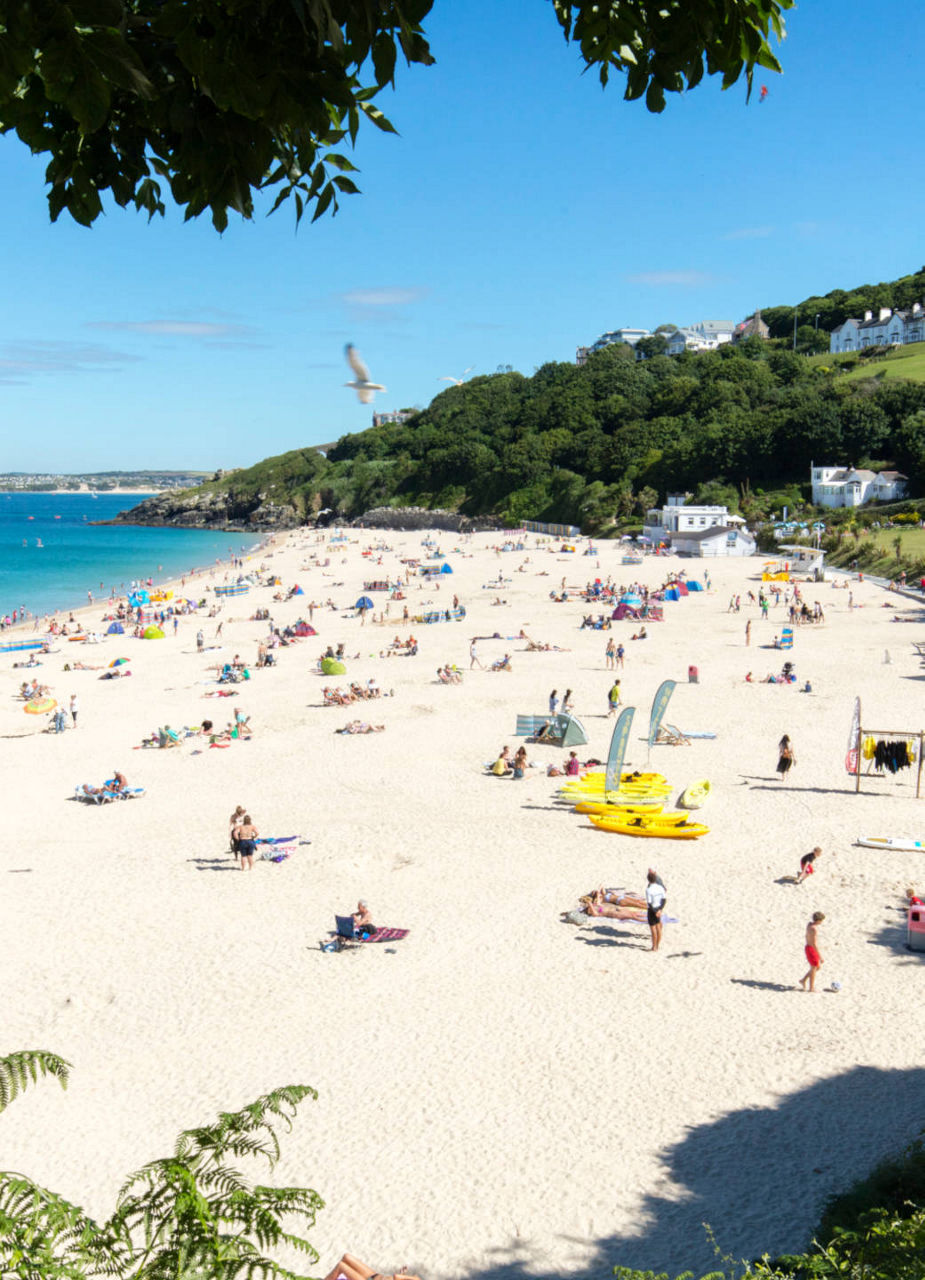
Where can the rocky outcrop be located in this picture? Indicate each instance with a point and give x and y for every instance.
(398, 518)
(207, 509)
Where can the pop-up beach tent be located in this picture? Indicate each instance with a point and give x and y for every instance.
(115, 629)
(364, 602)
(303, 629)
(152, 633)
(447, 568)
(333, 667)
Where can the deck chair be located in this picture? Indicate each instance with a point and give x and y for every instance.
(672, 736)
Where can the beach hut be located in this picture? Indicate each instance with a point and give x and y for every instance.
(152, 633)
(115, 629)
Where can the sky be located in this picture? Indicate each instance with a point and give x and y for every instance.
(521, 212)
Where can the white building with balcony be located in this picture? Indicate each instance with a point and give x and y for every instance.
(676, 518)
(627, 336)
(850, 487)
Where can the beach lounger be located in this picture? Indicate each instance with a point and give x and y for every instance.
(675, 737)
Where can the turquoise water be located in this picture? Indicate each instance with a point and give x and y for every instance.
(75, 556)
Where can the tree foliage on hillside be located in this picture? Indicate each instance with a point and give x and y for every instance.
(835, 307)
(215, 100)
(582, 443)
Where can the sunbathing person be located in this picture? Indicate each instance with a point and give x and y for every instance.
(361, 726)
(350, 1268)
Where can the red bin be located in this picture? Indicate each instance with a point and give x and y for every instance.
(693, 675)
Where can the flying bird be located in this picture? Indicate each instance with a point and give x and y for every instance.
(365, 389)
(458, 381)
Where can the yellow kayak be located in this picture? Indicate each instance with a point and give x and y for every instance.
(596, 779)
(622, 805)
(695, 795)
(628, 788)
(641, 826)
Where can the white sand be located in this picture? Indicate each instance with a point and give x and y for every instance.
(500, 1092)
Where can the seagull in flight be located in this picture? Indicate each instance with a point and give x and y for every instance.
(458, 381)
(365, 389)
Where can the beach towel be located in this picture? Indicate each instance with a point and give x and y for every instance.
(387, 935)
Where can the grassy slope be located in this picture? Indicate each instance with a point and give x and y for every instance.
(905, 362)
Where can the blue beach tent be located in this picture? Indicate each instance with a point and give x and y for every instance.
(115, 629)
(364, 602)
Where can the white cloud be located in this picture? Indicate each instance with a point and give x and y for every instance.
(749, 233)
(672, 279)
(21, 361)
(382, 297)
(174, 328)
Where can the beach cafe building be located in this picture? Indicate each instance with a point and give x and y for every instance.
(666, 524)
(720, 540)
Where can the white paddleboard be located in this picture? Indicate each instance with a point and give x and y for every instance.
(899, 844)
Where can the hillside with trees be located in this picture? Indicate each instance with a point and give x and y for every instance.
(600, 442)
(833, 308)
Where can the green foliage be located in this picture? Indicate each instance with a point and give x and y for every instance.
(190, 1216)
(835, 307)
(216, 101)
(666, 45)
(18, 1070)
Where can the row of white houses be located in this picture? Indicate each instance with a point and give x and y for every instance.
(887, 329)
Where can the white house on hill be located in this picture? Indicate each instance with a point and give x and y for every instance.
(849, 487)
(705, 335)
(888, 329)
(628, 336)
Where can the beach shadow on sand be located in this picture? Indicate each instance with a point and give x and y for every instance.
(892, 936)
(214, 864)
(608, 936)
(705, 1180)
(764, 986)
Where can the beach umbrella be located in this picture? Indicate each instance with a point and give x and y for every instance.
(152, 633)
(40, 706)
(364, 602)
(118, 662)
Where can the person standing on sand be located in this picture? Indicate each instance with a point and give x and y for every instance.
(811, 949)
(620, 655)
(75, 707)
(748, 632)
(807, 864)
(246, 836)
(474, 657)
(656, 896)
(613, 698)
(200, 641)
(610, 654)
(785, 757)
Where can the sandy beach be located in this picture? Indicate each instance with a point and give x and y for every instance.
(500, 1094)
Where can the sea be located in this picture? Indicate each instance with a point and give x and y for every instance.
(52, 554)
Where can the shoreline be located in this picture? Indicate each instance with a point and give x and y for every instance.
(32, 626)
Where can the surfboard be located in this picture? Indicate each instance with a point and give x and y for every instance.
(897, 844)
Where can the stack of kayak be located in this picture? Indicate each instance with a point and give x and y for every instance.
(636, 807)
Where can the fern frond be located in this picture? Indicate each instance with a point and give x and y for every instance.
(234, 1132)
(44, 1235)
(17, 1070)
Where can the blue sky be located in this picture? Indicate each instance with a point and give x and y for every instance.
(521, 212)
